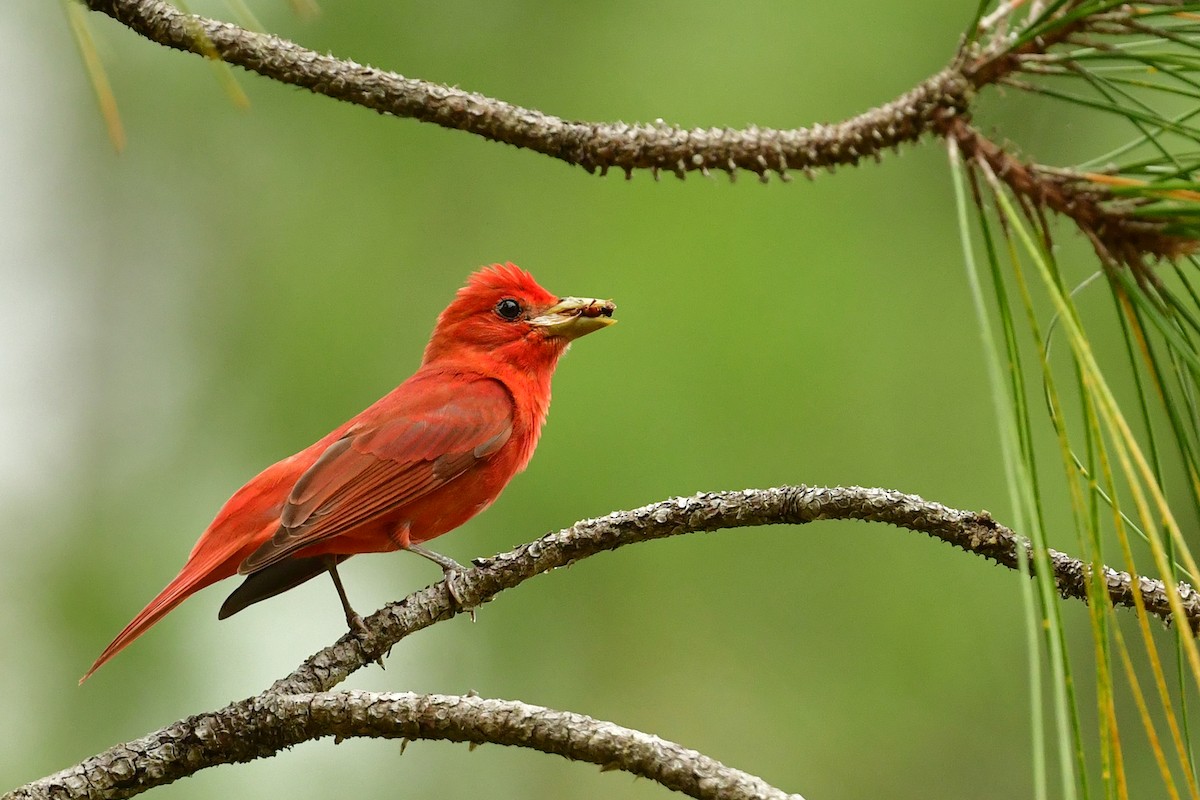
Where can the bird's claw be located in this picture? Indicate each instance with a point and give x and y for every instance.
(357, 626)
(360, 631)
(451, 577)
(452, 571)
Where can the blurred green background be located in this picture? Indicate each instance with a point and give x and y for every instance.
(236, 283)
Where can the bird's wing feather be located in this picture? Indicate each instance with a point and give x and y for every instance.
(426, 437)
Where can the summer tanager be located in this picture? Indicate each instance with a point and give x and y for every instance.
(421, 461)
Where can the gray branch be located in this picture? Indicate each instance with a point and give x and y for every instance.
(592, 145)
(975, 532)
(939, 105)
(299, 707)
(263, 726)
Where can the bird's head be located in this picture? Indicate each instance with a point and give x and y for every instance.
(503, 313)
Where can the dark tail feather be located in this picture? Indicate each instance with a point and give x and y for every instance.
(273, 580)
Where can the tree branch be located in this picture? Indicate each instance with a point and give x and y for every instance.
(975, 532)
(262, 725)
(594, 146)
(940, 105)
(1115, 231)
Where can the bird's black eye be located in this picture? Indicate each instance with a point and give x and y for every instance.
(508, 309)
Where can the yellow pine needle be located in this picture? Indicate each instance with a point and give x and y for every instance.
(1129, 453)
(1140, 335)
(1096, 605)
(107, 101)
(1160, 678)
(1133, 466)
(305, 9)
(1139, 699)
(244, 15)
(1177, 14)
(1120, 180)
(224, 74)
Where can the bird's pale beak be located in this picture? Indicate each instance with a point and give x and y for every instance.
(572, 317)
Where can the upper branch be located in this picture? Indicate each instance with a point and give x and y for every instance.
(940, 105)
(592, 145)
(261, 727)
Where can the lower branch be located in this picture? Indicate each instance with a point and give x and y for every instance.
(298, 707)
(975, 532)
(264, 726)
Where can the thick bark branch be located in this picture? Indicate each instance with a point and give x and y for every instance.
(592, 145)
(261, 727)
(940, 105)
(975, 532)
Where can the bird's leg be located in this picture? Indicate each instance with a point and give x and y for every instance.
(357, 626)
(447, 563)
(450, 568)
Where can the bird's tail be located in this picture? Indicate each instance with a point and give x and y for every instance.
(194, 576)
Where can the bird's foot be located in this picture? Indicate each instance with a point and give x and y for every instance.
(451, 577)
(360, 631)
(357, 626)
(452, 570)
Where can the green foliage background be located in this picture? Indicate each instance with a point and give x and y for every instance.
(238, 282)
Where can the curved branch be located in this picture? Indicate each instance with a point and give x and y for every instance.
(208, 739)
(594, 146)
(940, 105)
(262, 727)
(975, 532)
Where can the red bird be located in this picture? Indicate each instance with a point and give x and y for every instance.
(421, 461)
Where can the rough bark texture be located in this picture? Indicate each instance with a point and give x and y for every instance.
(974, 532)
(940, 105)
(299, 707)
(263, 726)
(594, 146)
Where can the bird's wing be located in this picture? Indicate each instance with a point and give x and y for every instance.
(424, 439)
